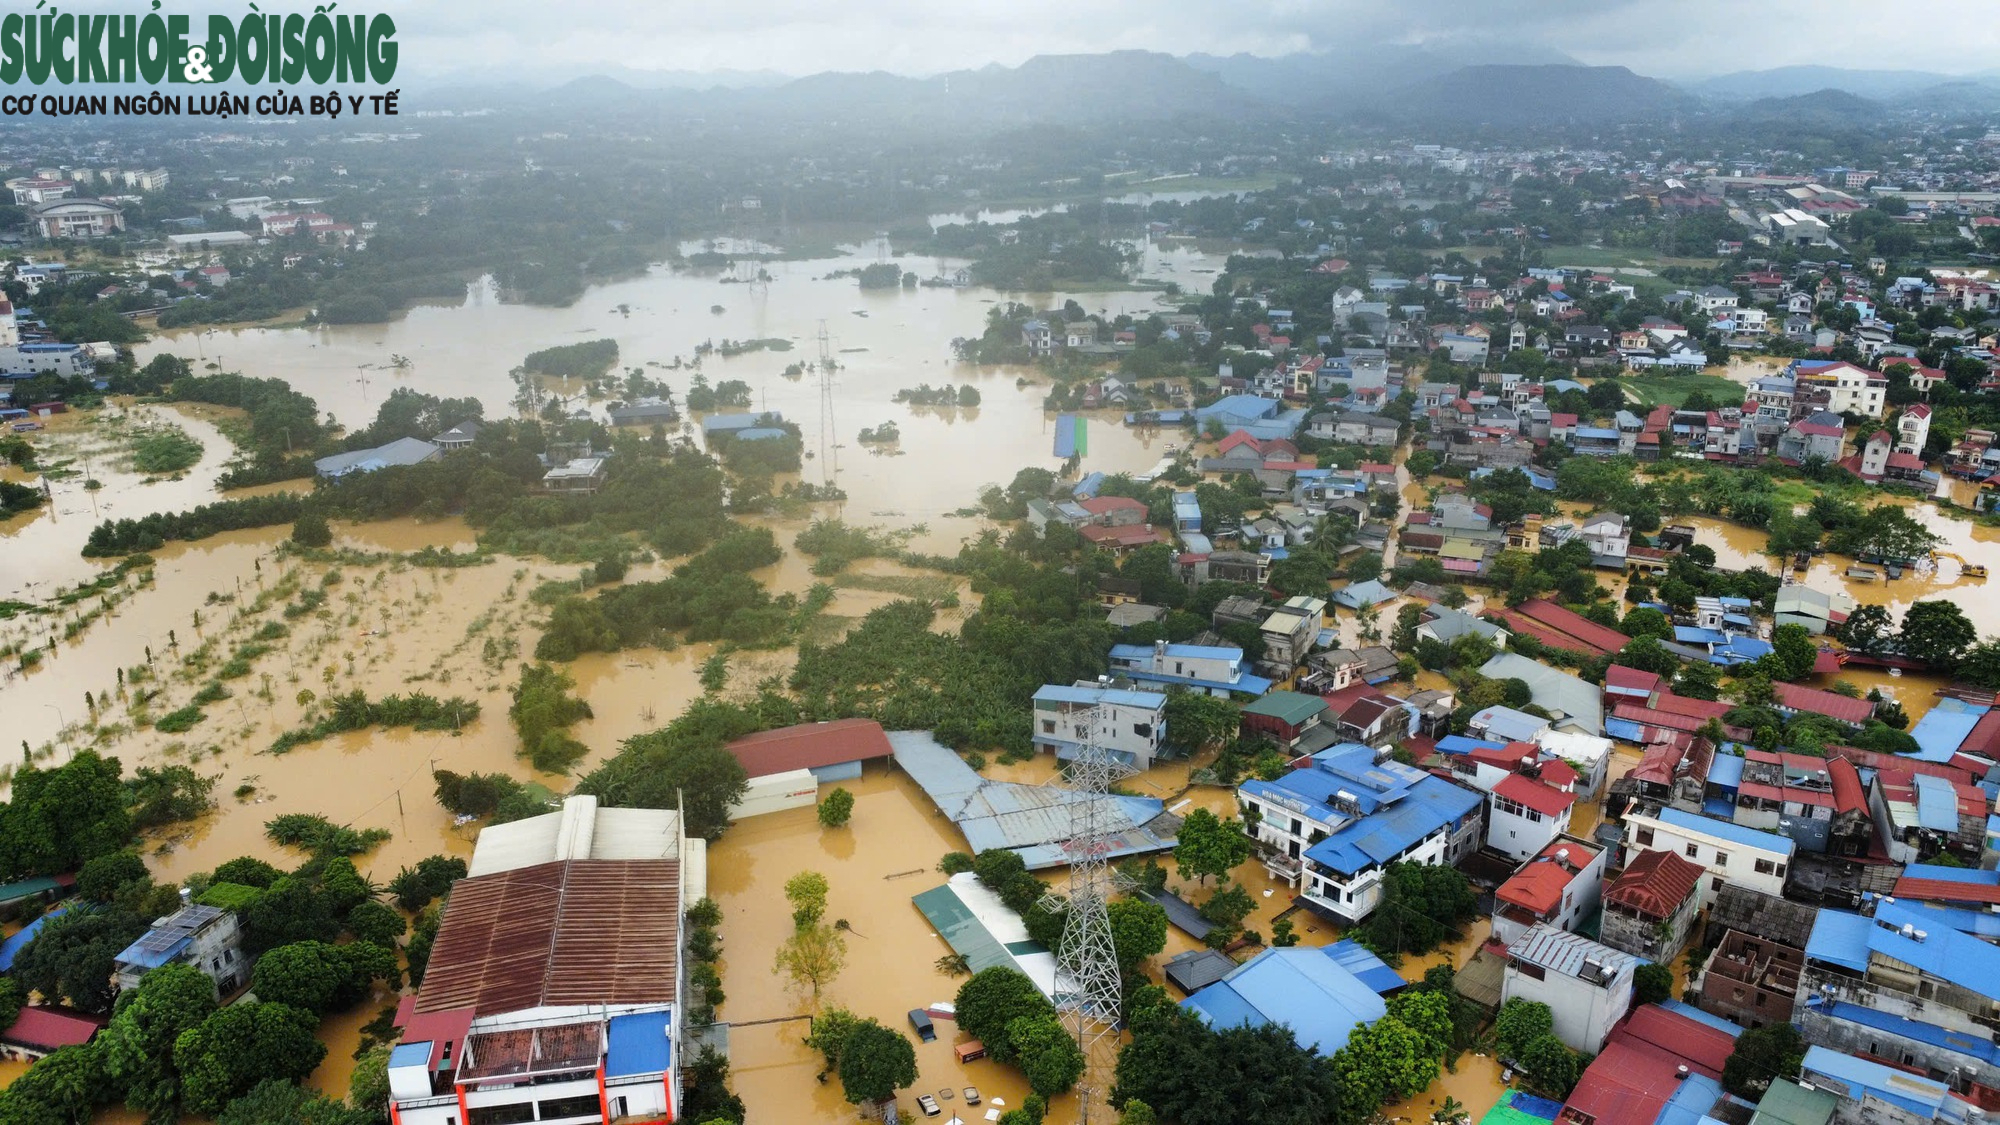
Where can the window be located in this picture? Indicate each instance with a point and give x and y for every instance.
(571, 1107)
(1765, 867)
(1143, 730)
(1645, 837)
(1722, 859)
(1715, 884)
(1692, 851)
(1532, 972)
(501, 1114)
(1048, 726)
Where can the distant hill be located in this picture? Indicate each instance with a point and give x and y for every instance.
(1319, 80)
(1821, 107)
(1795, 81)
(1521, 96)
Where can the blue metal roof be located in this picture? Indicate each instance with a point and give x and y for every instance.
(1979, 1047)
(1940, 733)
(1748, 837)
(1971, 875)
(1840, 938)
(1303, 989)
(1689, 1011)
(761, 433)
(1947, 954)
(1899, 1088)
(1185, 652)
(1385, 834)
(1365, 965)
(1059, 693)
(1089, 486)
(1695, 635)
(11, 948)
(1690, 1102)
(1460, 744)
(1239, 406)
(1197, 543)
(1726, 771)
(1597, 433)
(639, 1043)
(1937, 804)
(717, 422)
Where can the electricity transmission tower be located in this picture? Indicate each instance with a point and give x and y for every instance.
(1088, 990)
(829, 440)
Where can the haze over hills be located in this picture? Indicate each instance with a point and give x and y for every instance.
(1392, 85)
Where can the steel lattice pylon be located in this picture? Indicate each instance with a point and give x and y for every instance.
(1088, 989)
(829, 438)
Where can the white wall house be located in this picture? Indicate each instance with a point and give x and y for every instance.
(1560, 887)
(1214, 669)
(1730, 852)
(1525, 815)
(1127, 724)
(1587, 986)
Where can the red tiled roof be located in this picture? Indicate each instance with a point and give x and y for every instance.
(45, 1029)
(1655, 884)
(1631, 679)
(1847, 792)
(1104, 505)
(1538, 886)
(1639, 1068)
(1544, 799)
(1946, 890)
(810, 746)
(1834, 706)
(1598, 637)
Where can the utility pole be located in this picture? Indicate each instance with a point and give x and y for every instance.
(1088, 989)
(829, 439)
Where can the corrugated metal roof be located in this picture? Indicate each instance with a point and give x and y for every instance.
(1937, 804)
(1722, 829)
(1059, 693)
(1840, 938)
(1565, 952)
(572, 932)
(579, 830)
(1857, 1076)
(1304, 989)
(1286, 706)
(810, 746)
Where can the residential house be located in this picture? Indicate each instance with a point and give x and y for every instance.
(1661, 1066)
(1212, 669)
(1841, 388)
(1574, 704)
(1444, 624)
(1283, 716)
(1291, 630)
(1320, 994)
(1866, 1091)
(561, 957)
(1913, 429)
(1332, 827)
(1609, 537)
(1821, 435)
(402, 451)
(1587, 986)
(1730, 852)
(459, 437)
(1375, 720)
(1649, 908)
(1128, 725)
(1560, 887)
(1038, 338)
(206, 937)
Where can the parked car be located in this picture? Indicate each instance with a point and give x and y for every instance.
(928, 1104)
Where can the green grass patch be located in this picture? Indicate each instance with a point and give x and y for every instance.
(169, 450)
(1652, 390)
(175, 722)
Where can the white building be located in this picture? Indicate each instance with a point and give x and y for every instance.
(1913, 429)
(1129, 725)
(1525, 815)
(1730, 852)
(554, 986)
(1291, 630)
(1560, 887)
(1587, 754)
(207, 937)
(1587, 986)
(1332, 828)
(1214, 669)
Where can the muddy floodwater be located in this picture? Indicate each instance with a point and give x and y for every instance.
(365, 619)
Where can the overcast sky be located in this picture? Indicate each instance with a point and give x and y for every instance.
(1671, 39)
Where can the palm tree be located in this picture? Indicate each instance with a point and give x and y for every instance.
(1449, 1112)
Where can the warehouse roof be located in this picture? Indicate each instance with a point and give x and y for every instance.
(811, 746)
(1303, 989)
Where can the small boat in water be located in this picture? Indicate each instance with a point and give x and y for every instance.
(1861, 574)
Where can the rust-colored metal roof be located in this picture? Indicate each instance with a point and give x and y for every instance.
(1655, 884)
(582, 931)
(811, 746)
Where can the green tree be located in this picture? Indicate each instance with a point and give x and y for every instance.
(64, 1087)
(993, 999)
(275, 1102)
(1761, 1054)
(1209, 846)
(1868, 629)
(1521, 1022)
(368, 1086)
(103, 877)
(806, 891)
(240, 1046)
(1936, 632)
(74, 956)
(1391, 1056)
(812, 956)
(1138, 931)
(662, 769)
(321, 978)
(1652, 984)
(1046, 1054)
(1426, 1012)
(1196, 719)
(311, 530)
(875, 1062)
(1187, 1073)
(827, 1033)
(836, 808)
(1698, 680)
(1794, 651)
(138, 1045)
(1228, 906)
(1553, 1066)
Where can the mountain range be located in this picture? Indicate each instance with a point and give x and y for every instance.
(1388, 85)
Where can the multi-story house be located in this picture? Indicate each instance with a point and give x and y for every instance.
(1649, 908)
(1840, 387)
(207, 937)
(1213, 669)
(1730, 852)
(1752, 979)
(554, 989)
(1587, 986)
(1291, 630)
(1129, 725)
(1913, 429)
(1559, 888)
(1332, 827)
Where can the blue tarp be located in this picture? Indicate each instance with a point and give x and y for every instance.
(638, 1044)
